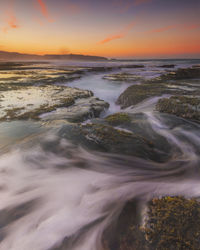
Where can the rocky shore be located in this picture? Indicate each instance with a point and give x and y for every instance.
(34, 93)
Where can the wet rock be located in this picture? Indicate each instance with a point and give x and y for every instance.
(17, 79)
(105, 138)
(30, 102)
(138, 93)
(126, 234)
(138, 124)
(118, 119)
(167, 66)
(171, 223)
(81, 110)
(131, 133)
(122, 77)
(182, 106)
(156, 87)
(133, 66)
(180, 74)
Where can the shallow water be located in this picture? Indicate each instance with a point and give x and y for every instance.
(55, 195)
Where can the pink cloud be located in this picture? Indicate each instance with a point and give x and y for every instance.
(190, 26)
(44, 10)
(119, 35)
(163, 29)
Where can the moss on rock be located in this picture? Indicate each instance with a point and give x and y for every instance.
(173, 223)
(182, 106)
(108, 139)
(179, 74)
(118, 119)
(138, 93)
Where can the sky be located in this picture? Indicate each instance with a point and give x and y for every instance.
(111, 28)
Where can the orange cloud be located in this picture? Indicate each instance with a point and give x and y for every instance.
(44, 10)
(122, 34)
(163, 29)
(12, 22)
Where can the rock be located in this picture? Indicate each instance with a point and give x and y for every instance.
(122, 77)
(132, 136)
(105, 138)
(118, 119)
(138, 93)
(182, 106)
(126, 233)
(180, 74)
(132, 66)
(81, 110)
(167, 66)
(171, 223)
(30, 102)
(165, 84)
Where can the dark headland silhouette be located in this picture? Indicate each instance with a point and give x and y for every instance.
(4, 55)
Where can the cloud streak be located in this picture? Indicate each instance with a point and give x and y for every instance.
(44, 10)
(163, 29)
(190, 26)
(119, 35)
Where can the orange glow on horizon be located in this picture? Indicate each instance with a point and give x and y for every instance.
(81, 28)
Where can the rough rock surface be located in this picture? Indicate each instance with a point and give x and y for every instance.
(182, 106)
(82, 109)
(30, 102)
(106, 138)
(127, 77)
(171, 223)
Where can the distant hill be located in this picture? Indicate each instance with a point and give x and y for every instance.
(4, 55)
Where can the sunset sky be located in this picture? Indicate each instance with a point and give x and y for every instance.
(112, 28)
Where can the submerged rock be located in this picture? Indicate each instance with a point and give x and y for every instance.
(122, 77)
(126, 234)
(81, 110)
(122, 133)
(182, 106)
(106, 138)
(171, 223)
(167, 66)
(30, 102)
(18, 79)
(118, 119)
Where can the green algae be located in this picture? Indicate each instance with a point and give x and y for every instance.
(173, 223)
(118, 119)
